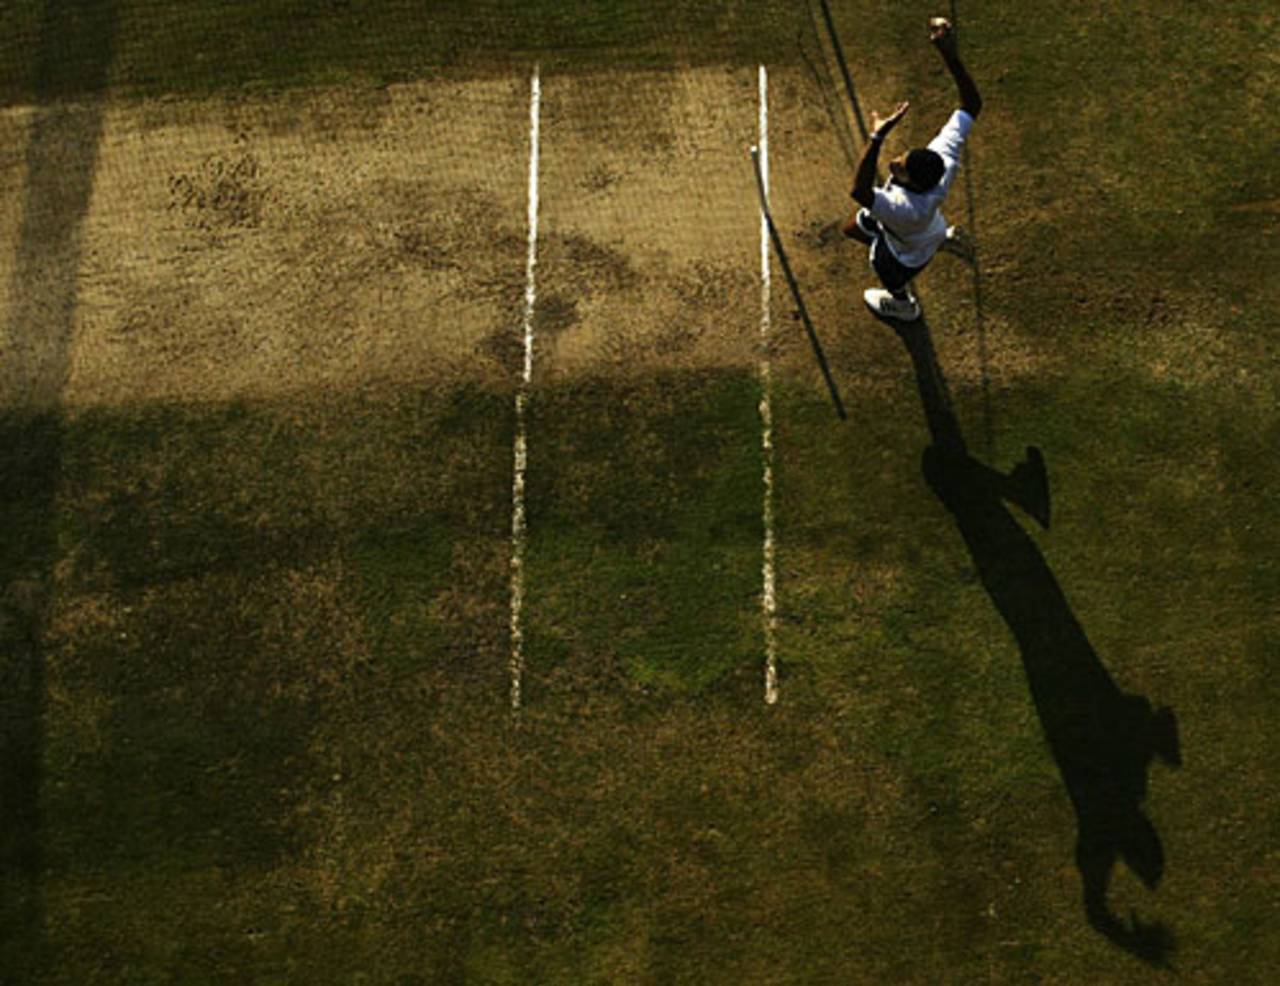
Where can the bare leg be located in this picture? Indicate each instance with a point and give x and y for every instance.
(853, 231)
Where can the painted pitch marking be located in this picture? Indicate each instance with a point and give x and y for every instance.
(768, 595)
(518, 533)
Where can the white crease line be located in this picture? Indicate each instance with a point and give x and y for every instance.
(769, 600)
(518, 532)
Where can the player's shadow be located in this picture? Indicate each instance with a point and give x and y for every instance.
(1102, 738)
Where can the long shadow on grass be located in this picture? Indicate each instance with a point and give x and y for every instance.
(1102, 739)
(73, 48)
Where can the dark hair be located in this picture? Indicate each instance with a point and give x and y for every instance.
(925, 167)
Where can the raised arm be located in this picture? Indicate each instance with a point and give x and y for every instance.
(943, 36)
(864, 182)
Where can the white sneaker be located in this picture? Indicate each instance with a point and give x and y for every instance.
(884, 304)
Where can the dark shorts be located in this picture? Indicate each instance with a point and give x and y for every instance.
(893, 273)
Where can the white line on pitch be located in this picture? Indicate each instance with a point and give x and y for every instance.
(518, 533)
(769, 600)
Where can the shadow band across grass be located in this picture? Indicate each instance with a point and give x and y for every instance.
(203, 47)
(29, 453)
(1102, 739)
(74, 43)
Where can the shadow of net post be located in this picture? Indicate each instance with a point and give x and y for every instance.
(71, 58)
(1102, 739)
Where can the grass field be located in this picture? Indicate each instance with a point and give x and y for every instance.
(262, 269)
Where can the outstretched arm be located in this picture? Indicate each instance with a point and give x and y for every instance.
(943, 36)
(864, 183)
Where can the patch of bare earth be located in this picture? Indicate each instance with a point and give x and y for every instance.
(651, 223)
(320, 241)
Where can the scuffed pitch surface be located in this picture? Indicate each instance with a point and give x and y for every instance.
(324, 240)
(333, 238)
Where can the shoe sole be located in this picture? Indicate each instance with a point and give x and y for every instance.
(892, 318)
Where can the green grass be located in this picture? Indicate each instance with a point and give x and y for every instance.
(315, 715)
(646, 528)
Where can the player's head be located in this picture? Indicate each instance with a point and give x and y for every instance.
(919, 170)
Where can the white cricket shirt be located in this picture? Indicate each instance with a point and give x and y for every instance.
(913, 221)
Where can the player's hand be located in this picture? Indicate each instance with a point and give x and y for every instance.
(882, 125)
(942, 35)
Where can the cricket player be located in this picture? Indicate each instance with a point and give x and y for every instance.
(902, 221)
